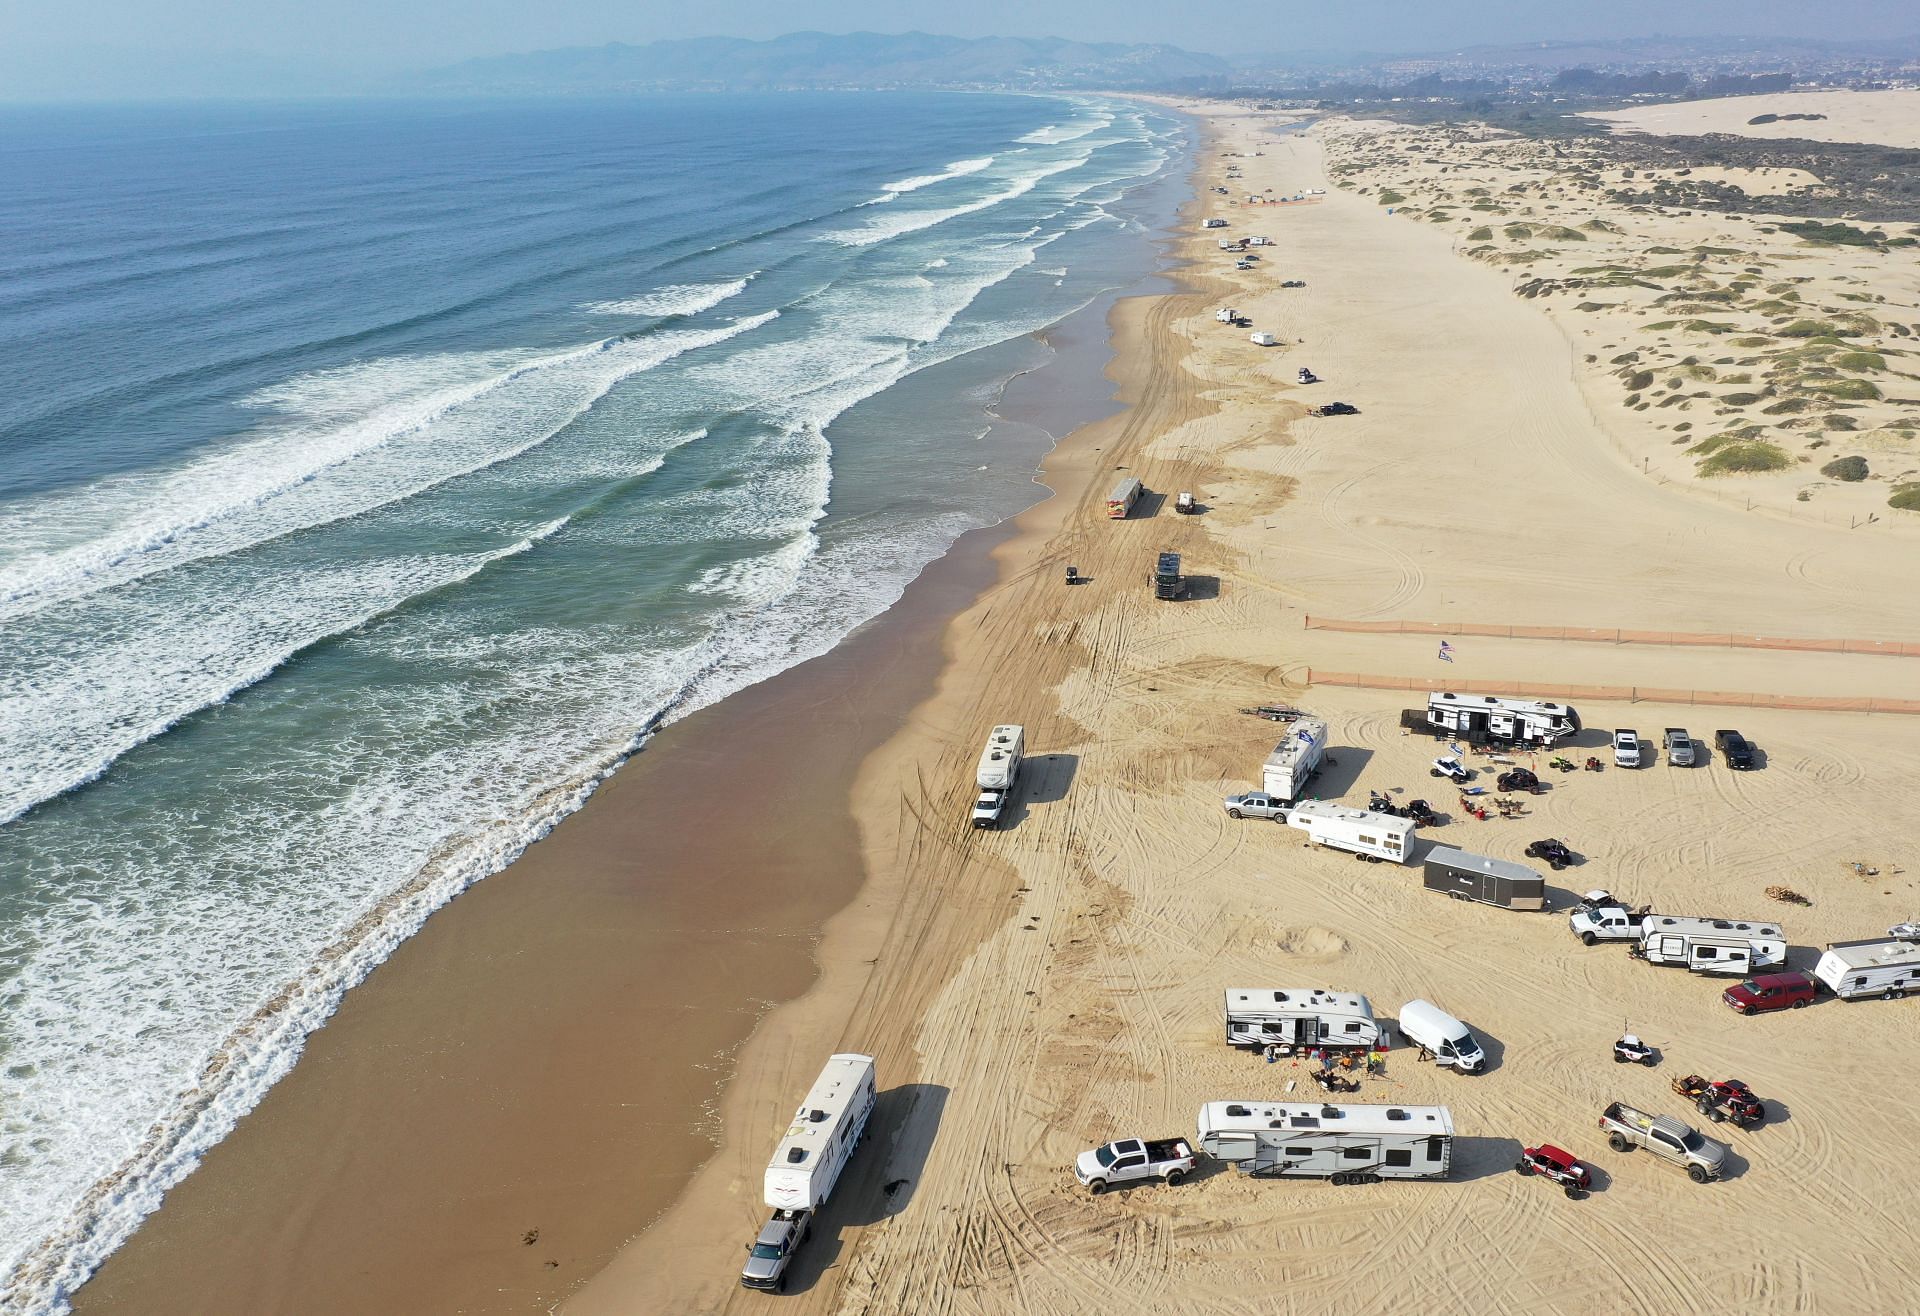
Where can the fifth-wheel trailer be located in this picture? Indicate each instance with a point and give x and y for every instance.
(1481, 719)
(1295, 760)
(1347, 1144)
(807, 1164)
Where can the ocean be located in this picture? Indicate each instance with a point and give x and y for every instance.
(374, 477)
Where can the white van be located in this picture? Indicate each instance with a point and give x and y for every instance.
(1426, 1024)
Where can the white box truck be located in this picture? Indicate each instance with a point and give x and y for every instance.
(1369, 836)
(1295, 760)
(1291, 1018)
(1354, 1144)
(1885, 967)
(1711, 945)
(807, 1164)
(999, 766)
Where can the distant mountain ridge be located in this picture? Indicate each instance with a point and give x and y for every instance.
(802, 60)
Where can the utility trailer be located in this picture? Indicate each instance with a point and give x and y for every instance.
(1365, 835)
(1490, 881)
(1295, 760)
(1353, 1144)
(1711, 945)
(1296, 1018)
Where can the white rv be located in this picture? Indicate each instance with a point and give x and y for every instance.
(1298, 1017)
(1368, 836)
(1295, 760)
(999, 765)
(1493, 717)
(1712, 945)
(1261, 338)
(829, 1125)
(1227, 315)
(1884, 967)
(1347, 1144)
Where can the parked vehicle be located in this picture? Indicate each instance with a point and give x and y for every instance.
(1166, 579)
(1728, 1100)
(1257, 804)
(1125, 494)
(1711, 945)
(1450, 767)
(1518, 779)
(1296, 760)
(807, 1164)
(1369, 836)
(1073, 575)
(1227, 315)
(1307, 376)
(1135, 1160)
(1489, 881)
(769, 1255)
(1260, 337)
(1664, 1136)
(1884, 968)
(1183, 503)
(1630, 1050)
(1334, 409)
(1449, 1041)
(999, 767)
(1770, 991)
(1679, 747)
(1626, 748)
(1561, 1167)
(1216, 223)
(1734, 748)
(1553, 850)
(1606, 923)
(1494, 719)
(1353, 1144)
(1298, 1018)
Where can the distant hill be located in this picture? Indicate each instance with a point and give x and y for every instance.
(803, 60)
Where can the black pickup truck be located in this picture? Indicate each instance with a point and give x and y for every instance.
(1735, 748)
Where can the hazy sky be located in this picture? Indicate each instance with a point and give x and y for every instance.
(103, 41)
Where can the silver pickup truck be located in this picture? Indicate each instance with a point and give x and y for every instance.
(1664, 1136)
(1679, 747)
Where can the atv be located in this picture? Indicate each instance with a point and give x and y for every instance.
(1553, 851)
(1549, 1162)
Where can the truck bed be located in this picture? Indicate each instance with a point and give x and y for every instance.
(1168, 1149)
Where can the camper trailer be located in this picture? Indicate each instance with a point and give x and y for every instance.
(1369, 836)
(1261, 338)
(824, 1132)
(1885, 967)
(999, 765)
(1294, 761)
(1480, 718)
(1347, 1144)
(1227, 315)
(1712, 945)
(1298, 1017)
(1490, 881)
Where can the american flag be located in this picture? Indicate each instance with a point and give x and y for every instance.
(1446, 652)
(1304, 736)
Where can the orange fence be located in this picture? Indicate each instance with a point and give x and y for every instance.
(1610, 635)
(1638, 694)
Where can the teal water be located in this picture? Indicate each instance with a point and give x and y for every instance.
(374, 477)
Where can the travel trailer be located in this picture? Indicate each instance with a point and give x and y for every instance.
(1712, 945)
(999, 765)
(1490, 881)
(1261, 338)
(1495, 718)
(1369, 836)
(1347, 1144)
(1125, 494)
(1297, 1018)
(807, 1164)
(1884, 967)
(1295, 760)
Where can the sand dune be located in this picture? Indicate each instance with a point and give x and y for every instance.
(1891, 118)
(1034, 991)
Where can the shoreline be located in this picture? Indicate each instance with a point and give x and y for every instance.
(414, 1022)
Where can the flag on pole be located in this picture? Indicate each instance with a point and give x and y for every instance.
(1446, 652)
(1305, 736)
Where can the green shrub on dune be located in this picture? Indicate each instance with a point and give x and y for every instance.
(1746, 457)
(1848, 469)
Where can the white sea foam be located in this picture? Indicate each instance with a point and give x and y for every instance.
(958, 169)
(1072, 131)
(674, 299)
(377, 432)
(900, 224)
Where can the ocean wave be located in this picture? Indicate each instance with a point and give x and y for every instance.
(958, 169)
(674, 299)
(386, 422)
(1072, 131)
(898, 225)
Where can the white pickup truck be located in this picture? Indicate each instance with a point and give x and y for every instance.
(1134, 1160)
(1607, 923)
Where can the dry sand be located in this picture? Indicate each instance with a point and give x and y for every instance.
(1033, 991)
(1891, 118)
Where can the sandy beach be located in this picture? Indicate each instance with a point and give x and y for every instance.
(1036, 990)
(1043, 988)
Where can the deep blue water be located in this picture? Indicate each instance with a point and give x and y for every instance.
(372, 476)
